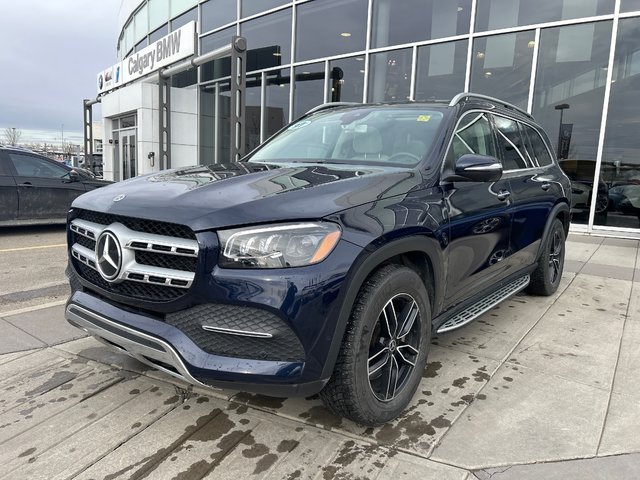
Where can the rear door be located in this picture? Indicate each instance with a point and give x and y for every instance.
(527, 163)
(8, 191)
(45, 190)
(479, 215)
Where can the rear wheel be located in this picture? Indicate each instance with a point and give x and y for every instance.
(546, 277)
(384, 350)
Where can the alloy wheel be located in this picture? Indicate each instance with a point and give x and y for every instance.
(555, 257)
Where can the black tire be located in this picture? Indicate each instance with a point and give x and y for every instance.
(352, 392)
(546, 277)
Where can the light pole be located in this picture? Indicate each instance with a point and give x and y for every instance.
(13, 136)
(562, 107)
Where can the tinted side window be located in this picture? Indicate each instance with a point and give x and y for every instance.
(510, 144)
(473, 135)
(4, 168)
(30, 166)
(536, 147)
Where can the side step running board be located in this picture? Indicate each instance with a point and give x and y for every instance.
(484, 305)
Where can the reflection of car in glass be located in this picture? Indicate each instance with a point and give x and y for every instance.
(625, 199)
(581, 173)
(328, 257)
(36, 189)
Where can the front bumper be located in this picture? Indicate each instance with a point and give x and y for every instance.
(165, 347)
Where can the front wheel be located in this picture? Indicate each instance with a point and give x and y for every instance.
(385, 348)
(545, 279)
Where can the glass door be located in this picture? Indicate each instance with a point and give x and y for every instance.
(128, 153)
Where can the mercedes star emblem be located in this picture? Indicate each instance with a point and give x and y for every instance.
(117, 198)
(108, 256)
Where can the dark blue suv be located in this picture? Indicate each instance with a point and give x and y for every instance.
(326, 259)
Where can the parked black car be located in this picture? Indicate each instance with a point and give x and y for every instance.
(325, 260)
(35, 189)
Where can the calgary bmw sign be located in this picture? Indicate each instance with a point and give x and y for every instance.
(169, 49)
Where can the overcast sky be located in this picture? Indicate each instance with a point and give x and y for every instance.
(50, 54)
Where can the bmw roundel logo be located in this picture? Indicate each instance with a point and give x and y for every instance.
(108, 256)
(117, 198)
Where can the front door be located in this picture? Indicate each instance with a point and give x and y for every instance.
(480, 216)
(128, 155)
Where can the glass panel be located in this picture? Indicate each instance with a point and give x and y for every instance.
(629, 5)
(496, 14)
(408, 21)
(29, 166)
(342, 28)
(208, 122)
(441, 70)
(158, 34)
(216, 13)
(277, 101)
(620, 169)
(141, 23)
(568, 100)
(473, 135)
(179, 6)
(128, 37)
(272, 35)
(182, 20)
(222, 66)
(501, 66)
(536, 147)
(347, 79)
(389, 76)
(126, 122)
(251, 7)
(510, 144)
(308, 88)
(253, 119)
(140, 45)
(158, 13)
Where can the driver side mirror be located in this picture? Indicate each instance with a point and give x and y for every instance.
(74, 176)
(476, 168)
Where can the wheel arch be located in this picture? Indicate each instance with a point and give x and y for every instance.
(422, 253)
(560, 211)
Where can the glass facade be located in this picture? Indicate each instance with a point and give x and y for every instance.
(554, 58)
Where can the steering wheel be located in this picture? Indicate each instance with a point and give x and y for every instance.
(403, 158)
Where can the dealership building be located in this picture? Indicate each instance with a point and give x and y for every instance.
(573, 64)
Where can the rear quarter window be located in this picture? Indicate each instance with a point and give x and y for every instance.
(538, 150)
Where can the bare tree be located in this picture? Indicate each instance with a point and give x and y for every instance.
(12, 135)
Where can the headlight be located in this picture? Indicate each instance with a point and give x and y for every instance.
(277, 246)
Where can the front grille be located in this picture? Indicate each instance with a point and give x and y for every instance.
(138, 224)
(158, 259)
(281, 345)
(137, 290)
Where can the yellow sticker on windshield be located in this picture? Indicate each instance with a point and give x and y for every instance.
(423, 118)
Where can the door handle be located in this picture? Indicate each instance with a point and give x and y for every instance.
(545, 186)
(25, 184)
(504, 194)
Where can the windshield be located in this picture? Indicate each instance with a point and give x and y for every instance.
(371, 135)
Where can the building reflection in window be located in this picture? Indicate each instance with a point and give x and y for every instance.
(568, 101)
(501, 66)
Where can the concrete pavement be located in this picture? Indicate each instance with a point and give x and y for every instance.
(536, 388)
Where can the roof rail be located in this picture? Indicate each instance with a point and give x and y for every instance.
(326, 106)
(458, 98)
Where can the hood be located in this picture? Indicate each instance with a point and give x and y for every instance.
(233, 194)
